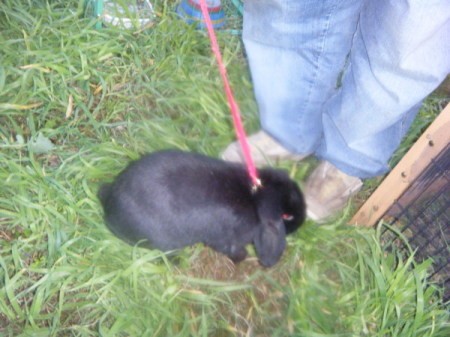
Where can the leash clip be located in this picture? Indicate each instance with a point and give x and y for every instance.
(256, 185)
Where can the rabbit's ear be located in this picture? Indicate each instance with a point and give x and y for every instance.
(270, 241)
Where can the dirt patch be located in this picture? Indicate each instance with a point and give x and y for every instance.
(264, 292)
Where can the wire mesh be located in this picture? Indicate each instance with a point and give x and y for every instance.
(422, 215)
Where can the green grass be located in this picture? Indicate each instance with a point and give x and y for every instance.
(103, 97)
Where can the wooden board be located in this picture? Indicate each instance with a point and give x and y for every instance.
(427, 147)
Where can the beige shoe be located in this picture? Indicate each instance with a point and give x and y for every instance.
(328, 190)
(264, 150)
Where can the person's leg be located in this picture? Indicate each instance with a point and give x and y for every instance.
(296, 50)
(399, 55)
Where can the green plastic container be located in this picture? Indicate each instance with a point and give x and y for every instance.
(127, 14)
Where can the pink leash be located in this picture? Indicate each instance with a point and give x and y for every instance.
(240, 132)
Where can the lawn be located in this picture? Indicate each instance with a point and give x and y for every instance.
(76, 105)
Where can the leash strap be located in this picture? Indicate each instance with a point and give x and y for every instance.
(240, 132)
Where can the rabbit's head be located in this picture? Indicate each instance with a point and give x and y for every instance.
(281, 210)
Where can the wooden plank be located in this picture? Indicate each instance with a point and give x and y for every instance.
(427, 147)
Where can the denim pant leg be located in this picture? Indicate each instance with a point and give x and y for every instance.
(400, 53)
(296, 50)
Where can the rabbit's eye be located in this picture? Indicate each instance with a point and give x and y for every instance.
(287, 217)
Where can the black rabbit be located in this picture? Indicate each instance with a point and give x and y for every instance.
(175, 199)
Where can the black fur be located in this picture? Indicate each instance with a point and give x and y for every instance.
(175, 199)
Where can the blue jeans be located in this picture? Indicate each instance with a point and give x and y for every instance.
(343, 79)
